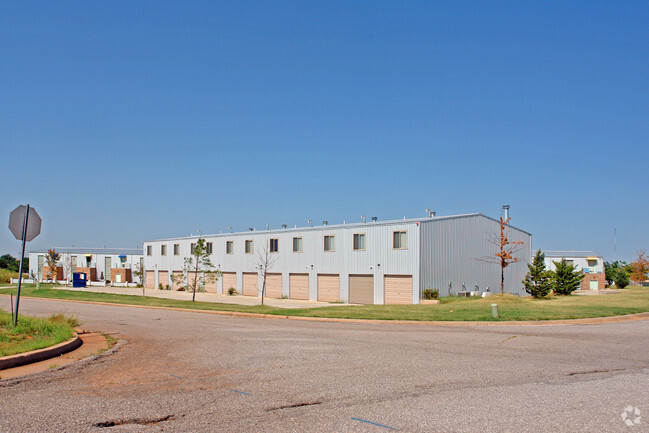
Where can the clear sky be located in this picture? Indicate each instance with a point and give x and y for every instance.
(129, 121)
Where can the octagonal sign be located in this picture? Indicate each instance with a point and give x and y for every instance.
(17, 218)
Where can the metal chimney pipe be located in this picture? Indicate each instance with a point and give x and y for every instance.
(506, 211)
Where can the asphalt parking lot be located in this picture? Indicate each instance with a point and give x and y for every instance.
(182, 371)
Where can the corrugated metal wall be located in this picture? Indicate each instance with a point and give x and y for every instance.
(454, 251)
(378, 258)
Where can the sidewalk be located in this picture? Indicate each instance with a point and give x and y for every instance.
(202, 297)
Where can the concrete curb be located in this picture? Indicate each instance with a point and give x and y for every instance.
(587, 321)
(21, 359)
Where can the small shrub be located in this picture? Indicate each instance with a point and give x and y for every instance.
(180, 289)
(283, 297)
(232, 291)
(167, 287)
(160, 286)
(431, 294)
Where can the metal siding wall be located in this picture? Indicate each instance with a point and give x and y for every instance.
(313, 260)
(452, 251)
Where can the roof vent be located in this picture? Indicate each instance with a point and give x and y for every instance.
(230, 229)
(363, 218)
(325, 222)
(430, 213)
(252, 229)
(267, 226)
(310, 223)
(374, 219)
(506, 211)
(284, 226)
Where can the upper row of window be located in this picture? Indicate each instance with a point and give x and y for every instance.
(399, 242)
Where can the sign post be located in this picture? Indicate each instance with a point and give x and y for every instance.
(31, 227)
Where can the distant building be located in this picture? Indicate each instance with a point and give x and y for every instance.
(99, 264)
(589, 262)
(373, 262)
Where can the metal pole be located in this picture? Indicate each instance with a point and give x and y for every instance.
(20, 270)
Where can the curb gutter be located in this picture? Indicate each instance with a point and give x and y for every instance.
(21, 359)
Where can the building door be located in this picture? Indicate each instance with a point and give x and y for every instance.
(163, 278)
(398, 289)
(250, 284)
(274, 285)
(107, 268)
(328, 288)
(594, 285)
(298, 286)
(150, 279)
(229, 281)
(361, 289)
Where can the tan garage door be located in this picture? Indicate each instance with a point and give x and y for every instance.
(149, 279)
(398, 289)
(274, 285)
(210, 282)
(229, 281)
(361, 289)
(299, 286)
(177, 280)
(250, 284)
(328, 288)
(163, 278)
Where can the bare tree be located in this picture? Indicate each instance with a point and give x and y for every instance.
(506, 250)
(264, 263)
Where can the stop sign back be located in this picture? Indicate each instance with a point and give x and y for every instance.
(17, 218)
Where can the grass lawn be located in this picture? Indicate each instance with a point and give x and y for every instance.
(634, 299)
(33, 333)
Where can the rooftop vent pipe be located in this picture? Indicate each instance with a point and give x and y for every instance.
(325, 222)
(374, 219)
(284, 226)
(267, 226)
(430, 213)
(230, 229)
(506, 211)
(310, 223)
(363, 218)
(252, 229)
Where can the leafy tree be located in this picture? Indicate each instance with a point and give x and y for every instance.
(9, 262)
(640, 268)
(198, 263)
(612, 268)
(538, 281)
(52, 258)
(621, 278)
(565, 278)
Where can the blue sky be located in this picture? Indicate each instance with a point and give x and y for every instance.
(129, 121)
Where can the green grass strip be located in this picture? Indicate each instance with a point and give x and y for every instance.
(32, 333)
(634, 299)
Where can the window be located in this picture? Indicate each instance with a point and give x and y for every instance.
(176, 249)
(274, 245)
(329, 244)
(149, 250)
(209, 248)
(163, 250)
(592, 262)
(359, 241)
(192, 247)
(250, 247)
(229, 247)
(399, 240)
(297, 245)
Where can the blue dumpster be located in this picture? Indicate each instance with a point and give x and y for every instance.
(79, 279)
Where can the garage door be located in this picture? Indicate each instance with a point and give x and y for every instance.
(398, 289)
(163, 278)
(299, 286)
(250, 283)
(229, 281)
(210, 283)
(210, 286)
(361, 289)
(274, 285)
(177, 280)
(149, 279)
(328, 288)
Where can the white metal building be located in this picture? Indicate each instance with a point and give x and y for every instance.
(378, 262)
(100, 264)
